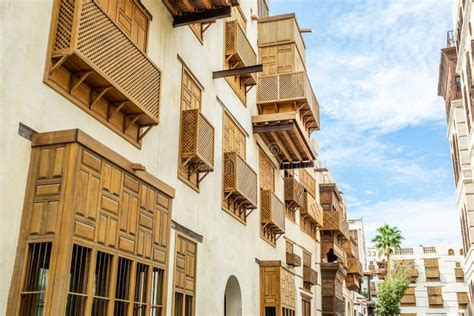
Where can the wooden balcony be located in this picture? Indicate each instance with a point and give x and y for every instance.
(312, 210)
(294, 194)
(293, 260)
(96, 65)
(285, 134)
(350, 247)
(335, 221)
(292, 88)
(352, 281)
(354, 266)
(238, 51)
(240, 182)
(310, 276)
(199, 11)
(197, 141)
(273, 212)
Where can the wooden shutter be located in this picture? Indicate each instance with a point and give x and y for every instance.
(130, 17)
(284, 58)
(190, 92)
(267, 172)
(185, 265)
(234, 138)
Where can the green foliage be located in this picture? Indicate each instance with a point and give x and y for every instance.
(387, 240)
(391, 290)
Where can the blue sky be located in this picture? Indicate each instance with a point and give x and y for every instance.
(374, 68)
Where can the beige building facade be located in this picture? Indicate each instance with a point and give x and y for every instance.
(455, 86)
(156, 160)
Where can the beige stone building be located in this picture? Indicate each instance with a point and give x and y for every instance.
(156, 160)
(455, 86)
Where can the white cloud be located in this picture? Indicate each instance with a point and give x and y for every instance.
(377, 66)
(426, 221)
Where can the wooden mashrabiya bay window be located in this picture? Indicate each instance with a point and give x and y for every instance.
(94, 235)
(97, 59)
(277, 290)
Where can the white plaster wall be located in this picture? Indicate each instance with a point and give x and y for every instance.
(229, 248)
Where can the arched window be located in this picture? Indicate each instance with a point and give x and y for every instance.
(450, 252)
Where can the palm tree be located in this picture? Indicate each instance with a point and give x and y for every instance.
(387, 240)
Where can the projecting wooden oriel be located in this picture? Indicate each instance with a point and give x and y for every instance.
(187, 12)
(334, 215)
(312, 210)
(277, 289)
(273, 212)
(240, 182)
(197, 141)
(288, 108)
(332, 280)
(97, 60)
(238, 51)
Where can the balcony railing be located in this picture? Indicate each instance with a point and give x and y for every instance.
(429, 249)
(238, 50)
(293, 260)
(312, 210)
(273, 212)
(450, 39)
(93, 62)
(290, 87)
(310, 276)
(240, 181)
(404, 251)
(197, 140)
(294, 193)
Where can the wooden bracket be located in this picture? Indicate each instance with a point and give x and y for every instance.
(100, 95)
(133, 120)
(117, 109)
(148, 128)
(59, 63)
(83, 75)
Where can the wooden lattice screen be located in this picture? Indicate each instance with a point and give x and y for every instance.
(435, 296)
(196, 135)
(97, 61)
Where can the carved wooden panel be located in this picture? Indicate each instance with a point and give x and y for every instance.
(234, 137)
(287, 289)
(48, 182)
(185, 265)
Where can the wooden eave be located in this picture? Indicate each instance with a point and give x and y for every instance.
(187, 12)
(78, 136)
(285, 132)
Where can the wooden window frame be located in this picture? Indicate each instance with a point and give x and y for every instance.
(176, 291)
(438, 289)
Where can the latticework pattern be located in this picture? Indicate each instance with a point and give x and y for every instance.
(272, 210)
(294, 192)
(237, 45)
(92, 36)
(62, 40)
(104, 44)
(197, 139)
(240, 179)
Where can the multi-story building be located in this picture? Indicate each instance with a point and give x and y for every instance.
(143, 173)
(356, 226)
(456, 87)
(437, 279)
(437, 283)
